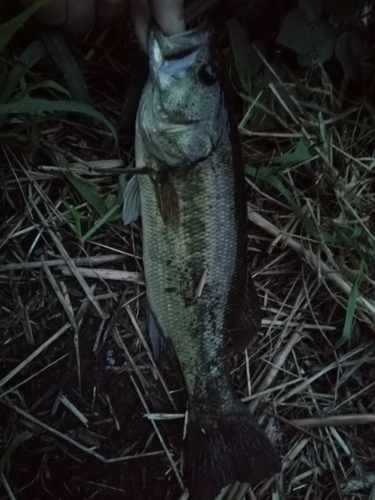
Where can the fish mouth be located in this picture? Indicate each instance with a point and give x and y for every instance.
(179, 46)
(177, 139)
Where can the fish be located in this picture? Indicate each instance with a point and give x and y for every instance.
(194, 233)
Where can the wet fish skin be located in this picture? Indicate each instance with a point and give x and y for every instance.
(194, 225)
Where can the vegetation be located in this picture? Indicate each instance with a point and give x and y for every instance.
(77, 373)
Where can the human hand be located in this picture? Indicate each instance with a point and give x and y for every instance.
(168, 14)
(78, 17)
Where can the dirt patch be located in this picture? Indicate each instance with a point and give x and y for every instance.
(46, 466)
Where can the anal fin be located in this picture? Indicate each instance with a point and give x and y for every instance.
(160, 344)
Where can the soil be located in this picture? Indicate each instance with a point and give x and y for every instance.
(45, 466)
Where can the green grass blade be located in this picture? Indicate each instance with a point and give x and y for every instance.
(241, 52)
(100, 222)
(32, 54)
(47, 84)
(351, 307)
(58, 49)
(298, 155)
(250, 109)
(76, 217)
(110, 201)
(10, 28)
(121, 184)
(37, 106)
(88, 193)
(265, 174)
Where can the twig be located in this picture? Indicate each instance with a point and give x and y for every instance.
(125, 458)
(202, 282)
(312, 260)
(65, 401)
(281, 358)
(36, 353)
(260, 394)
(164, 416)
(335, 421)
(99, 165)
(60, 296)
(7, 487)
(26, 322)
(314, 377)
(120, 343)
(293, 424)
(54, 431)
(105, 274)
(33, 376)
(177, 474)
(111, 324)
(112, 412)
(71, 264)
(149, 353)
(79, 261)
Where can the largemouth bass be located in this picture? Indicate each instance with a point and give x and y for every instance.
(194, 249)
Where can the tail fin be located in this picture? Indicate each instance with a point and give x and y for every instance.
(227, 449)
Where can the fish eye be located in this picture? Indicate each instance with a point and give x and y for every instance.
(208, 74)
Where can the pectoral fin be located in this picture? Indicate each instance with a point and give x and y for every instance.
(166, 194)
(247, 320)
(132, 201)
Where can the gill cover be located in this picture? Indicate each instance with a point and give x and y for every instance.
(181, 115)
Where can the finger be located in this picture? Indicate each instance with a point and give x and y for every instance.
(109, 11)
(80, 16)
(169, 15)
(52, 14)
(141, 15)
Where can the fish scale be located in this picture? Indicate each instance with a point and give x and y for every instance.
(177, 257)
(194, 224)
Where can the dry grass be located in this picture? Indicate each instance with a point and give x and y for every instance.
(309, 378)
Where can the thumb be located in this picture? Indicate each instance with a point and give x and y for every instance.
(141, 15)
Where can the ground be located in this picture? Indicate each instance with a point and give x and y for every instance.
(91, 413)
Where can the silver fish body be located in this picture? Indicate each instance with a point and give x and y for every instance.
(194, 248)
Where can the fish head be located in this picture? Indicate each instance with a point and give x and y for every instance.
(182, 116)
